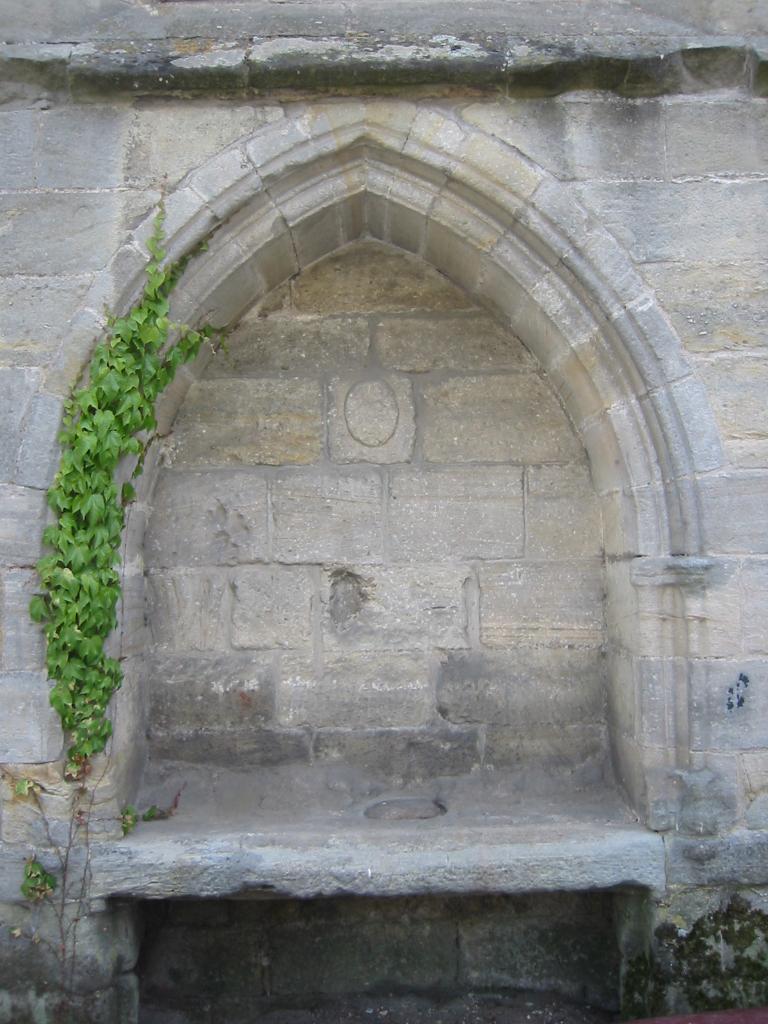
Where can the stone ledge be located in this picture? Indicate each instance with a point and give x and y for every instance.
(379, 861)
(672, 64)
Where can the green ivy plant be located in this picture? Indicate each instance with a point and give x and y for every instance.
(108, 419)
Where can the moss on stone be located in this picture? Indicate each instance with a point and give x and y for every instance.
(720, 963)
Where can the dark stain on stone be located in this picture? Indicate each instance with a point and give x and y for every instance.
(349, 595)
(736, 694)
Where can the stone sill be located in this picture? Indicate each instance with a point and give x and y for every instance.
(377, 862)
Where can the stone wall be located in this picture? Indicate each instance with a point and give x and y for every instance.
(376, 541)
(598, 191)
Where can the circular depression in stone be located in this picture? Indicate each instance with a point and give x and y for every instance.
(405, 809)
(371, 412)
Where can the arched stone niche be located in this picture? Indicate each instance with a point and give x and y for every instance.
(426, 182)
(374, 555)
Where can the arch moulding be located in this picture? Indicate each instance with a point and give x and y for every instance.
(424, 180)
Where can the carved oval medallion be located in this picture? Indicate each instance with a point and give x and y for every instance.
(371, 412)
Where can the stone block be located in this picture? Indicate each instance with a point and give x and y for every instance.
(713, 306)
(207, 518)
(550, 941)
(542, 604)
(729, 708)
(93, 231)
(470, 512)
(97, 159)
(737, 386)
(292, 344)
(107, 946)
(614, 138)
(372, 278)
(246, 747)
(536, 127)
(228, 691)
(680, 220)
(17, 387)
(740, 858)
(354, 691)
(153, 150)
(733, 505)
(23, 641)
(474, 342)
(497, 171)
(409, 608)
(18, 130)
(716, 138)
(39, 450)
(326, 517)
(371, 419)
(31, 730)
(22, 518)
(400, 756)
(272, 607)
(189, 610)
(754, 616)
(249, 422)
(562, 513)
(549, 760)
(536, 691)
(495, 418)
(35, 314)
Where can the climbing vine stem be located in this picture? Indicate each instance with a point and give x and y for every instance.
(108, 419)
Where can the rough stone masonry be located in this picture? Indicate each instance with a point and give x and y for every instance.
(446, 581)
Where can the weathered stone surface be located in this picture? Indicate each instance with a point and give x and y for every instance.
(420, 344)
(39, 450)
(31, 729)
(232, 691)
(533, 690)
(272, 606)
(23, 641)
(246, 747)
(96, 162)
(35, 312)
(716, 138)
(324, 517)
(371, 419)
(733, 506)
(513, 418)
(189, 611)
(259, 422)
(107, 946)
(356, 692)
(714, 306)
(737, 388)
(551, 759)
(22, 517)
(562, 942)
(544, 604)
(379, 608)
(371, 278)
(656, 222)
(562, 514)
(754, 583)
(470, 512)
(17, 386)
(213, 518)
(91, 218)
(260, 344)
(400, 756)
(206, 128)
(739, 858)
